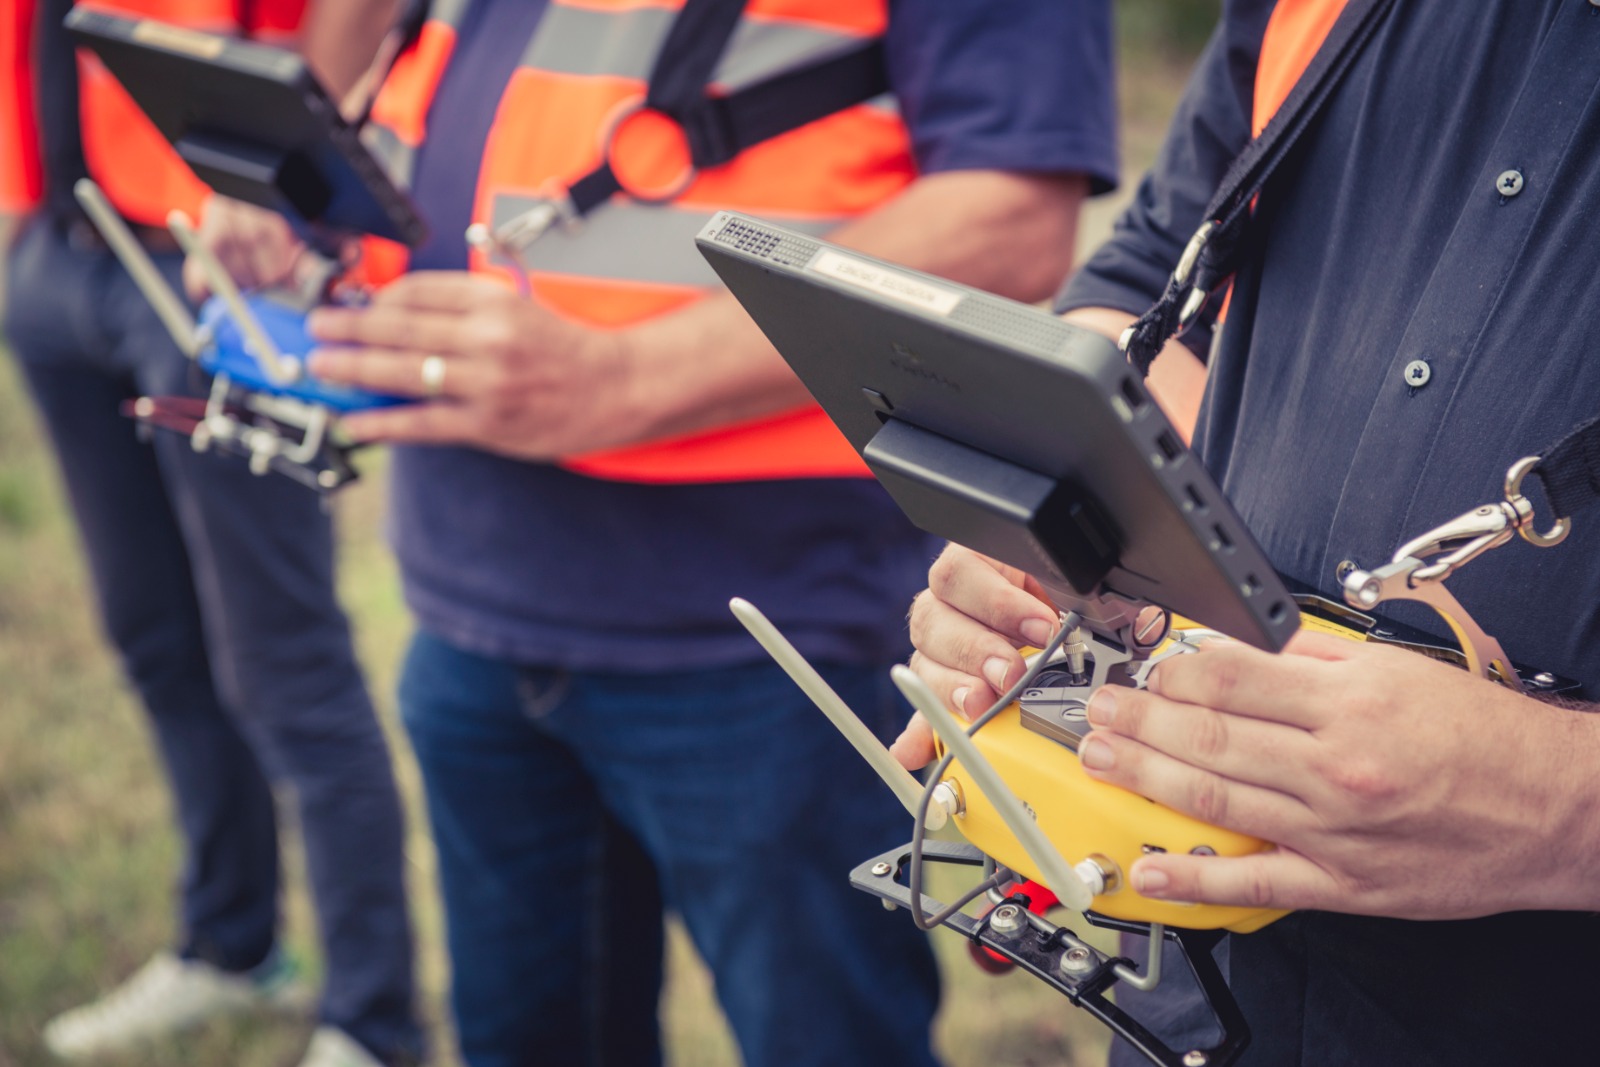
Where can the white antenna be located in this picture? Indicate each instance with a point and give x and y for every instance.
(905, 788)
(278, 367)
(1055, 870)
(168, 305)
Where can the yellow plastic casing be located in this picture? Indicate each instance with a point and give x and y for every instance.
(1084, 818)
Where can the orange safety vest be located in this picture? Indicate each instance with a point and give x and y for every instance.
(125, 154)
(586, 68)
(1295, 31)
(21, 180)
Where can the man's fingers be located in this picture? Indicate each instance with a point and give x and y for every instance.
(1273, 879)
(272, 261)
(431, 424)
(1253, 751)
(1205, 795)
(913, 749)
(449, 291)
(254, 246)
(967, 695)
(1234, 677)
(992, 594)
(195, 284)
(1324, 646)
(394, 372)
(381, 370)
(237, 262)
(387, 326)
(954, 641)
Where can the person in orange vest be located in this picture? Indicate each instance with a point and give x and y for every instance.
(605, 450)
(216, 587)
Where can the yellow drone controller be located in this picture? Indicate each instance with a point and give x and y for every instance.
(1103, 824)
(1011, 783)
(1023, 798)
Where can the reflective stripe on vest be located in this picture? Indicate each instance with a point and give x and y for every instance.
(133, 163)
(585, 68)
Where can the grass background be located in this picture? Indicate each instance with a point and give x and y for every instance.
(88, 853)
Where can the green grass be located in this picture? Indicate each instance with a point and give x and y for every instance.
(88, 854)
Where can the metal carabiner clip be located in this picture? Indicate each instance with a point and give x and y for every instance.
(1524, 510)
(1456, 543)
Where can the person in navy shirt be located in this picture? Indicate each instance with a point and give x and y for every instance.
(599, 738)
(1438, 832)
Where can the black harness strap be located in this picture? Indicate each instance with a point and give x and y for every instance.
(718, 128)
(1210, 258)
(689, 54)
(791, 100)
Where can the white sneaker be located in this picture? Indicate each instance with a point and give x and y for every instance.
(167, 995)
(332, 1047)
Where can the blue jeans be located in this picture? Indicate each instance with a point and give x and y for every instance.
(1175, 1011)
(570, 808)
(216, 588)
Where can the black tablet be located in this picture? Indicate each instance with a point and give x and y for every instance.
(996, 425)
(253, 123)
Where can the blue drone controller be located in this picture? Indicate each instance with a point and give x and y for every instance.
(263, 403)
(229, 353)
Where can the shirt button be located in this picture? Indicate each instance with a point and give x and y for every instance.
(1417, 374)
(1509, 183)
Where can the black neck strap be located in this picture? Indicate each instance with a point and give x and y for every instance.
(1210, 258)
(1569, 469)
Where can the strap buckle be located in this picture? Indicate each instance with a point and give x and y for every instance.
(1466, 537)
(1515, 500)
(651, 153)
(1191, 253)
(1183, 282)
(1183, 277)
(1406, 577)
(1457, 543)
(510, 240)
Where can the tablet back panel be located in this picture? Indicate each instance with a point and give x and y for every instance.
(979, 413)
(252, 122)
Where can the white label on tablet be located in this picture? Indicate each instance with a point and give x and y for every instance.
(885, 282)
(177, 39)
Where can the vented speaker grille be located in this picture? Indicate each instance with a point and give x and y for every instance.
(790, 251)
(1025, 327)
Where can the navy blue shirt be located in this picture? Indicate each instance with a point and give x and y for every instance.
(532, 563)
(1385, 239)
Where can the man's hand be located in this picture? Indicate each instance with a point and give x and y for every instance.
(1393, 785)
(255, 246)
(966, 627)
(968, 624)
(517, 378)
